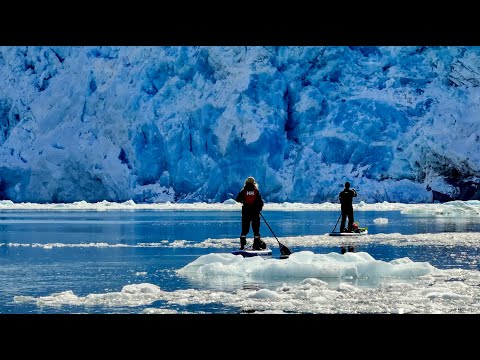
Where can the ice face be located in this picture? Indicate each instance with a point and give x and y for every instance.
(187, 124)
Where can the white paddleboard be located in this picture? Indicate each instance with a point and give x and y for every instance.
(364, 232)
(250, 252)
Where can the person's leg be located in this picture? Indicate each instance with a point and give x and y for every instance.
(256, 225)
(245, 230)
(342, 223)
(245, 225)
(350, 220)
(243, 241)
(257, 242)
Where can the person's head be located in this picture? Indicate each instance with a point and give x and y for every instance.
(347, 185)
(250, 180)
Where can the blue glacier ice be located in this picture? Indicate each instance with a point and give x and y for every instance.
(187, 124)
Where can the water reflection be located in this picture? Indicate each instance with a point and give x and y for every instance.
(346, 248)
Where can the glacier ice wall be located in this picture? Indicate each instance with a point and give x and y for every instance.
(186, 124)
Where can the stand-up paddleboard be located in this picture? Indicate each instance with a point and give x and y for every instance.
(248, 252)
(360, 233)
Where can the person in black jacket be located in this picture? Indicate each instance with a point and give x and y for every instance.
(252, 202)
(346, 197)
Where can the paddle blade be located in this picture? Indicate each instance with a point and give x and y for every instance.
(284, 250)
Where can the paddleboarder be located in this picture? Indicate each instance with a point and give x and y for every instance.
(252, 202)
(346, 198)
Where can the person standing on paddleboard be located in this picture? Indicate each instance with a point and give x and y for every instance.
(346, 198)
(252, 202)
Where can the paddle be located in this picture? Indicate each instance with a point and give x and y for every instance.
(283, 249)
(337, 223)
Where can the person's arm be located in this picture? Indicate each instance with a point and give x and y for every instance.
(239, 197)
(259, 202)
(354, 193)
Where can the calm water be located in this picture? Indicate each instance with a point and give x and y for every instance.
(36, 270)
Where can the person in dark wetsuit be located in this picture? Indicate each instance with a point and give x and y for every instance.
(346, 198)
(252, 202)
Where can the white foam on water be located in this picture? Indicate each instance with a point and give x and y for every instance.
(86, 245)
(467, 239)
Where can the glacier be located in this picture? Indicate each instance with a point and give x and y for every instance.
(190, 123)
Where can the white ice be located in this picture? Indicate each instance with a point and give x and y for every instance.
(302, 265)
(404, 287)
(449, 209)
